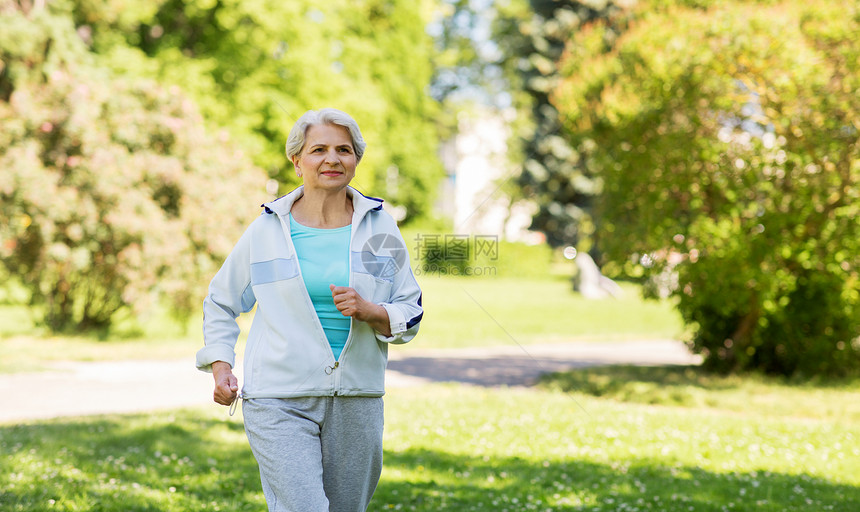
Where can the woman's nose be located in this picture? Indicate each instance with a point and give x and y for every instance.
(331, 157)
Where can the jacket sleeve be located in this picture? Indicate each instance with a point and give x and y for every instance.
(230, 294)
(404, 308)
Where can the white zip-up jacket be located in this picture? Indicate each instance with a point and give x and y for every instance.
(287, 353)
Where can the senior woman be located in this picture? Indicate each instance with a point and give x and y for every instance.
(329, 273)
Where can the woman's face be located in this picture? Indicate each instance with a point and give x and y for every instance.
(327, 161)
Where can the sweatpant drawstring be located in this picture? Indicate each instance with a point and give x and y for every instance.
(235, 403)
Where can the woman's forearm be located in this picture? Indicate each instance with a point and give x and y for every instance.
(378, 320)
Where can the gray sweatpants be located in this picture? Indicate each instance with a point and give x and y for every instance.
(316, 454)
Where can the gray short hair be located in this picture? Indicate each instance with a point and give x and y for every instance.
(296, 139)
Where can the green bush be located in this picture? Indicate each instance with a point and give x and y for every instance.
(112, 194)
(800, 338)
(728, 152)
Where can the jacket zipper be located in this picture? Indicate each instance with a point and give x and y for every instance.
(329, 370)
(343, 353)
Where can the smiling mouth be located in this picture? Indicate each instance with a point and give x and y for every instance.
(331, 173)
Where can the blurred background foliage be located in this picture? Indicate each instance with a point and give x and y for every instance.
(708, 149)
(254, 67)
(128, 128)
(113, 191)
(726, 149)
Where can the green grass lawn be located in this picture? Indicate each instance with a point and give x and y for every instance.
(450, 447)
(602, 439)
(459, 312)
(464, 312)
(687, 386)
(28, 347)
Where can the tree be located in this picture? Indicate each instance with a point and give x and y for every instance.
(255, 67)
(113, 193)
(555, 171)
(729, 163)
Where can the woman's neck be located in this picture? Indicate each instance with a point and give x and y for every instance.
(323, 209)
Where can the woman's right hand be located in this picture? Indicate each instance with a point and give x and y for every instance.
(226, 384)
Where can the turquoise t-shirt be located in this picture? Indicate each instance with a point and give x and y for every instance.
(324, 260)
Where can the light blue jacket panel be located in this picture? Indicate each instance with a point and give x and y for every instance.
(287, 353)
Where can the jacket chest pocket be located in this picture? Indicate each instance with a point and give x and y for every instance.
(270, 271)
(276, 283)
(372, 288)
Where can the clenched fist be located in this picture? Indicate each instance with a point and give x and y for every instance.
(226, 384)
(350, 303)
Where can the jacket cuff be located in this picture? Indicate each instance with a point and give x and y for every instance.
(396, 322)
(216, 352)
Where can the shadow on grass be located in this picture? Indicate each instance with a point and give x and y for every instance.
(674, 385)
(183, 461)
(518, 370)
(191, 460)
(443, 481)
(677, 385)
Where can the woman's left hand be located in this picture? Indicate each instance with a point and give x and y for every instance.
(350, 303)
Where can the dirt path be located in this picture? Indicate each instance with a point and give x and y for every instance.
(82, 388)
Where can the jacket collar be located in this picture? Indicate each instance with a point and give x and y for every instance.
(360, 202)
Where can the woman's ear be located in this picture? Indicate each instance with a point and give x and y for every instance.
(295, 159)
